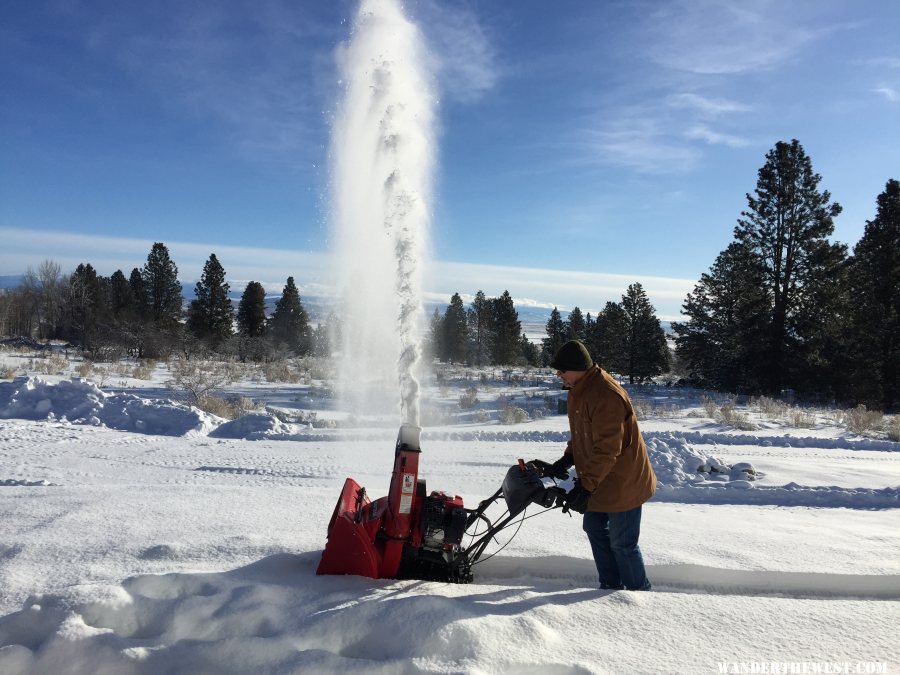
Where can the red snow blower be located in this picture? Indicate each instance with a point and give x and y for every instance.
(410, 534)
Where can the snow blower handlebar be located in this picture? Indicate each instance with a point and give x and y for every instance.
(524, 484)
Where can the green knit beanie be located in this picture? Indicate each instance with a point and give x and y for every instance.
(572, 356)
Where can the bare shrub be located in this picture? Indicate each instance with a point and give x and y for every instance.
(7, 372)
(510, 414)
(233, 370)
(801, 419)
(469, 399)
(666, 410)
(280, 371)
(730, 416)
(642, 409)
(196, 379)
(230, 407)
(770, 407)
(319, 369)
(52, 365)
(216, 405)
(709, 405)
(860, 420)
(141, 372)
(892, 428)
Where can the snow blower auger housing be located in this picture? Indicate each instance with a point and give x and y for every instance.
(410, 534)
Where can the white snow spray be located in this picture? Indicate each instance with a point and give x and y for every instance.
(382, 163)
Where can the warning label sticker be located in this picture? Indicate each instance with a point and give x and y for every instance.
(405, 503)
(409, 483)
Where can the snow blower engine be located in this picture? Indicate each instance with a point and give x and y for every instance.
(410, 534)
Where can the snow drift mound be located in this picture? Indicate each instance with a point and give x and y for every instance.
(258, 426)
(677, 463)
(686, 475)
(81, 402)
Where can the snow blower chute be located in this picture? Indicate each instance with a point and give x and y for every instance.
(410, 534)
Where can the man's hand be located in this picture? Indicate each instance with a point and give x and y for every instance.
(543, 468)
(560, 468)
(577, 499)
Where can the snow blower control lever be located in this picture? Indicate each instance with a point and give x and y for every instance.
(410, 534)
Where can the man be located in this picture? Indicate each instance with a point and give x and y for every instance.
(614, 476)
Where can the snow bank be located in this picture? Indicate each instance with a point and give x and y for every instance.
(258, 426)
(275, 615)
(81, 402)
(792, 494)
(784, 441)
(677, 463)
(687, 475)
(698, 437)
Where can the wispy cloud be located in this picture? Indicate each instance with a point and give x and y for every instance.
(464, 55)
(530, 287)
(709, 107)
(703, 133)
(716, 37)
(889, 93)
(257, 72)
(642, 142)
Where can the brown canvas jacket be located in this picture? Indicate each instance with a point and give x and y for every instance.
(609, 453)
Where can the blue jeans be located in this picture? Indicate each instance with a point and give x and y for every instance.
(614, 541)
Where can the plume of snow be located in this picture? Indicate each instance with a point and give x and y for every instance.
(382, 163)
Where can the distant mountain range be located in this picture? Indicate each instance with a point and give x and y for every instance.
(534, 319)
(11, 281)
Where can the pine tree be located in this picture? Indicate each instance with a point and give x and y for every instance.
(456, 331)
(874, 282)
(648, 354)
(436, 336)
(289, 324)
(786, 230)
(121, 297)
(530, 352)
(139, 294)
(210, 316)
(85, 304)
(480, 322)
(590, 333)
(506, 330)
(160, 278)
(557, 335)
(611, 339)
(575, 325)
(251, 314)
(722, 342)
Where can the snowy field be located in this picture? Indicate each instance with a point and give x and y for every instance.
(139, 535)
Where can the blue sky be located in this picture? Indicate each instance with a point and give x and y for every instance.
(583, 145)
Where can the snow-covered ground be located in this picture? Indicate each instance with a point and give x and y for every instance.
(139, 535)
